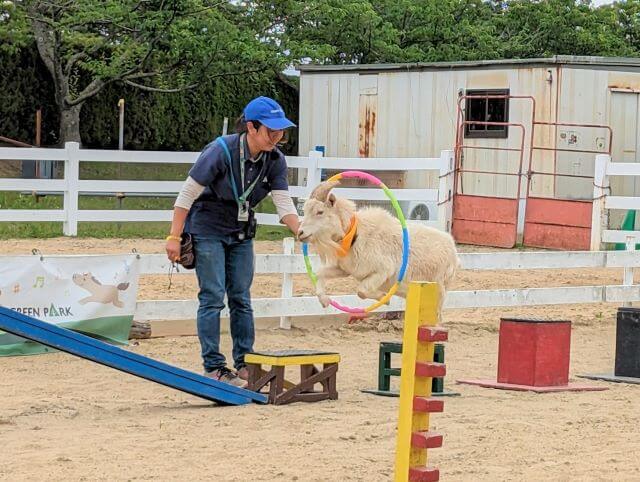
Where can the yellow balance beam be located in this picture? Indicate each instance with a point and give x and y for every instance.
(283, 361)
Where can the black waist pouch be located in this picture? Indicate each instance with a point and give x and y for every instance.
(187, 254)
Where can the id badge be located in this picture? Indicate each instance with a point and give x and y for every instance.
(243, 212)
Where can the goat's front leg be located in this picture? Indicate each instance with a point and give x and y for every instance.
(371, 286)
(325, 273)
(442, 294)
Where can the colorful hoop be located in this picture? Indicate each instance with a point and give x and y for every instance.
(405, 244)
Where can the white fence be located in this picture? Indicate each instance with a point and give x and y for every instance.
(312, 166)
(603, 201)
(288, 264)
(72, 187)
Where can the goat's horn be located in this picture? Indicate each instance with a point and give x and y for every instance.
(321, 192)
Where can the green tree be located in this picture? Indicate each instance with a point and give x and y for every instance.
(25, 86)
(442, 30)
(364, 31)
(341, 32)
(367, 31)
(530, 29)
(626, 16)
(154, 45)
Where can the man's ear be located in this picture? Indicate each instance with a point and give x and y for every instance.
(251, 127)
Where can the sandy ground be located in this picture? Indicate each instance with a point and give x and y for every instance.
(62, 418)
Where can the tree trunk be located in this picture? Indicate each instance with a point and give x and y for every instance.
(48, 41)
(70, 123)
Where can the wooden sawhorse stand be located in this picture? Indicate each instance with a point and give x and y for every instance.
(282, 391)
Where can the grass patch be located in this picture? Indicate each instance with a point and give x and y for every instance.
(158, 230)
(272, 233)
(30, 230)
(134, 171)
(15, 200)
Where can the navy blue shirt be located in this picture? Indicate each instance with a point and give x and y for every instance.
(215, 212)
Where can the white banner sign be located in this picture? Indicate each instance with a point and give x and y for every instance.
(93, 294)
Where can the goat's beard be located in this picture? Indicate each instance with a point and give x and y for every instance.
(326, 246)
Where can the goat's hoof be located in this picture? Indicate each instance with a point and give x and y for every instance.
(362, 295)
(325, 301)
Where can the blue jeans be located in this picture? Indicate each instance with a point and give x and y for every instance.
(224, 264)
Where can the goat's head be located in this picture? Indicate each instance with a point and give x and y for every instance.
(325, 216)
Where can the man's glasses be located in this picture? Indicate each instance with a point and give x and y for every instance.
(272, 132)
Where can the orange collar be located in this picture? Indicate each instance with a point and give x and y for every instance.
(349, 238)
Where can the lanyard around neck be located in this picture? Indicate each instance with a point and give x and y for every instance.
(243, 198)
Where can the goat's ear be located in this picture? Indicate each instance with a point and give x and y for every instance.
(331, 200)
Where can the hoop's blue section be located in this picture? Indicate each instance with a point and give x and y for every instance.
(405, 253)
(307, 264)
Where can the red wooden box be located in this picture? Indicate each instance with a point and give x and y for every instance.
(534, 352)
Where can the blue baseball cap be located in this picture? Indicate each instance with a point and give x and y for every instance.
(268, 112)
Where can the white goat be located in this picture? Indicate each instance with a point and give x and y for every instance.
(375, 256)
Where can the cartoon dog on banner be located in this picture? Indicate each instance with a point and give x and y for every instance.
(100, 293)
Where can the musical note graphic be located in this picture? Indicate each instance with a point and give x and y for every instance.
(39, 281)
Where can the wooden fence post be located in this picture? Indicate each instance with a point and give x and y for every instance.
(599, 218)
(445, 191)
(71, 177)
(314, 173)
(287, 282)
(630, 245)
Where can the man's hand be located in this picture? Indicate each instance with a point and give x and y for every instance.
(293, 223)
(173, 249)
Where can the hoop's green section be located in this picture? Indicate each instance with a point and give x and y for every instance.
(394, 203)
(307, 264)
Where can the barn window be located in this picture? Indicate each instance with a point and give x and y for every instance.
(486, 109)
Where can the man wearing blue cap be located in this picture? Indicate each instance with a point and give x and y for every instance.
(229, 178)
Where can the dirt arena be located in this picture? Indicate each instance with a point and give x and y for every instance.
(62, 418)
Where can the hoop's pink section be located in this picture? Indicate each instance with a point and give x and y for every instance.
(362, 175)
(346, 309)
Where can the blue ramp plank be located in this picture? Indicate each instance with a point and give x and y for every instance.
(91, 349)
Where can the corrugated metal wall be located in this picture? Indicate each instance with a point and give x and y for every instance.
(415, 115)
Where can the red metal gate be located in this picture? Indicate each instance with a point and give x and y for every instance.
(552, 222)
(549, 222)
(486, 220)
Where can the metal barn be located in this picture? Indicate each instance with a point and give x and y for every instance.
(525, 133)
